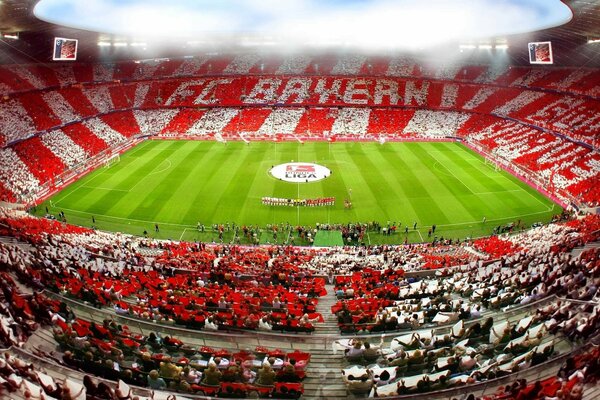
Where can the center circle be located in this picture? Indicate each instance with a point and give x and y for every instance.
(299, 172)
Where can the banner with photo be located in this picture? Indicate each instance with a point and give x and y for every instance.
(540, 53)
(64, 49)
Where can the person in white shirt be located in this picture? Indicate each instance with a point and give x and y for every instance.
(468, 362)
(476, 312)
(264, 325)
(210, 325)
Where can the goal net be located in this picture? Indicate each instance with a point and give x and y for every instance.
(492, 164)
(112, 160)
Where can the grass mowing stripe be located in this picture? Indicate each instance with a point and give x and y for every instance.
(137, 176)
(110, 178)
(158, 189)
(219, 204)
(482, 174)
(476, 181)
(209, 161)
(446, 170)
(388, 161)
(217, 183)
(240, 184)
(193, 165)
(132, 179)
(180, 202)
(339, 186)
(428, 212)
(374, 180)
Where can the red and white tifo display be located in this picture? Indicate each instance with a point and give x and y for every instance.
(297, 172)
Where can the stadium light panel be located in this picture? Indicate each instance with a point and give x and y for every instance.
(104, 44)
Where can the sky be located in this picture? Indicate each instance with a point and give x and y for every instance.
(381, 23)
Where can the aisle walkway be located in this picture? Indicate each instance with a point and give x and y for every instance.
(323, 373)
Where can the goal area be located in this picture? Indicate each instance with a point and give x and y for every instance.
(112, 160)
(492, 164)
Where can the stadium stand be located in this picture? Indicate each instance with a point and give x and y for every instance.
(70, 260)
(431, 302)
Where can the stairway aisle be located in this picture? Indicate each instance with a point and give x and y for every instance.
(323, 373)
(578, 250)
(330, 326)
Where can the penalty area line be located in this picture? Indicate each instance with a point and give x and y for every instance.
(182, 234)
(451, 173)
(125, 219)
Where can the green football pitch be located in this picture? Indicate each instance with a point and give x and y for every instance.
(178, 184)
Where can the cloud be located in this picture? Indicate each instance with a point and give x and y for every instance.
(398, 23)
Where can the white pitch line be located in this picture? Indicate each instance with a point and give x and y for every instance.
(452, 173)
(538, 200)
(162, 170)
(499, 192)
(104, 188)
(513, 217)
(68, 194)
(153, 172)
(182, 234)
(126, 219)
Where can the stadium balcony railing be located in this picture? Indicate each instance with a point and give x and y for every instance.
(242, 341)
(542, 371)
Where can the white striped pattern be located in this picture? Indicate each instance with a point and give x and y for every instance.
(64, 148)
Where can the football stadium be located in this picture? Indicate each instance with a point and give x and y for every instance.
(305, 199)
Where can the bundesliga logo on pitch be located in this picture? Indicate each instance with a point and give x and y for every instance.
(300, 171)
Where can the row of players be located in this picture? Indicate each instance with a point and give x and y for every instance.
(318, 202)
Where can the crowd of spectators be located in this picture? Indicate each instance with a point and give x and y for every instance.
(16, 177)
(551, 161)
(111, 351)
(423, 362)
(273, 284)
(227, 288)
(21, 379)
(568, 169)
(431, 124)
(20, 314)
(64, 148)
(17, 78)
(40, 160)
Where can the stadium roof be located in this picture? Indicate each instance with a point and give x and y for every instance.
(569, 40)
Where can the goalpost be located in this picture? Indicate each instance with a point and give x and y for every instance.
(112, 160)
(493, 164)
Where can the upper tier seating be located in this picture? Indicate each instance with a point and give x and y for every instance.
(23, 114)
(18, 78)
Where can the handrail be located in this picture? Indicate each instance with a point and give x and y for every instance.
(543, 371)
(540, 371)
(241, 341)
